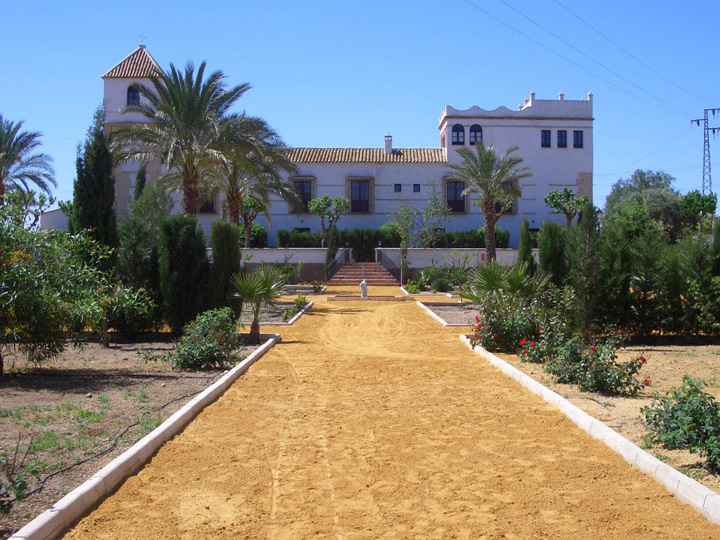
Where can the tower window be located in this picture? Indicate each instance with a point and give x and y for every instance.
(398, 188)
(133, 96)
(475, 134)
(416, 188)
(545, 138)
(577, 139)
(561, 138)
(458, 134)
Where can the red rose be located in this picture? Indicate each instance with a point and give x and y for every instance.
(477, 319)
(643, 360)
(503, 340)
(646, 382)
(523, 341)
(593, 348)
(532, 343)
(494, 336)
(525, 351)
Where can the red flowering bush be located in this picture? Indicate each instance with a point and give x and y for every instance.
(596, 369)
(533, 351)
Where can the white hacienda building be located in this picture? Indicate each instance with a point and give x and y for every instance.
(555, 138)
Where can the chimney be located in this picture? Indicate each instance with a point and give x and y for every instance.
(532, 97)
(388, 144)
(561, 96)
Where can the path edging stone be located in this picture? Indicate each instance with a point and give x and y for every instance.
(295, 317)
(64, 513)
(689, 491)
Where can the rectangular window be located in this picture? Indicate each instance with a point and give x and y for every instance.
(455, 200)
(398, 188)
(577, 139)
(545, 138)
(416, 188)
(207, 205)
(304, 189)
(360, 196)
(562, 138)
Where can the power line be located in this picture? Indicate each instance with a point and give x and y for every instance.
(656, 72)
(568, 59)
(573, 47)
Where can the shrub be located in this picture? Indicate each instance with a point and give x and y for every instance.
(138, 252)
(595, 369)
(225, 239)
(525, 248)
(504, 320)
(685, 417)
(551, 244)
(414, 286)
(208, 342)
(129, 311)
(184, 270)
(288, 239)
(258, 236)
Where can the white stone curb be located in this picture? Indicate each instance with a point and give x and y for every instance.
(437, 317)
(683, 487)
(295, 317)
(64, 513)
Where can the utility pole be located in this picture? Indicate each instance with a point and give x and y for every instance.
(707, 176)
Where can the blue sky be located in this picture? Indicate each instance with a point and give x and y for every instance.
(342, 73)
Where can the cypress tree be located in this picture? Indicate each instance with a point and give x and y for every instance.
(140, 180)
(94, 188)
(551, 243)
(525, 248)
(184, 270)
(225, 240)
(584, 262)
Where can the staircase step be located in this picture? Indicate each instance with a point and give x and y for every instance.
(372, 273)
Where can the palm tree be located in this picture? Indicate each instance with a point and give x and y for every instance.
(186, 112)
(19, 167)
(494, 179)
(255, 156)
(256, 289)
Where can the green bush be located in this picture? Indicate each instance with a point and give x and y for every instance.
(184, 270)
(551, 244)
(296, 239)
(208, 342)
(258, 236)
(595, 368)
(525, 248)
(685, 417)
(225, 240)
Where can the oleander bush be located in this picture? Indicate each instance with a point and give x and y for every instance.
(686, 417)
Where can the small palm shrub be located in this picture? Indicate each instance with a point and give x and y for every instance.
(209, 342)
(255, 289)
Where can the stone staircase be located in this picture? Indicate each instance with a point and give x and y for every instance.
(372, 272)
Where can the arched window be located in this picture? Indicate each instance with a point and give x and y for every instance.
(475, 134)
(458, 134)
(133, 96)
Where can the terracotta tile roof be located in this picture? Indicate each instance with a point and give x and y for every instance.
(139, 64)
(367, 155)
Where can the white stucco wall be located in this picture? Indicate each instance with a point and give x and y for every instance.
(54, 219)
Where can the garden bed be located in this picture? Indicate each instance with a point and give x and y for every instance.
(272, 315)
(304, 290)
(454, 314)
(665, 368)
(74, 408)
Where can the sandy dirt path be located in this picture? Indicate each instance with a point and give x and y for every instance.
(371, 420)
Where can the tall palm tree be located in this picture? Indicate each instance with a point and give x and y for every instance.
(19, 166)
(185, 113)
(495, 180)
(255, 156)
